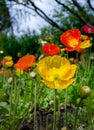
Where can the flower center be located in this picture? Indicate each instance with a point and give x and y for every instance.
(56, 78)
(73, 43)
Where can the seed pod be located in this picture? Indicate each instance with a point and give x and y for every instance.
(85, 92)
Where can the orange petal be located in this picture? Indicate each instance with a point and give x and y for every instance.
(25, 61)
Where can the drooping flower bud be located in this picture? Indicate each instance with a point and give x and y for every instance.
(85, 92)
(64, 128)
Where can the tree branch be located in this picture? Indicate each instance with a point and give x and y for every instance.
(90, 5)
(45, 17)
(83, 12)
(72, 12)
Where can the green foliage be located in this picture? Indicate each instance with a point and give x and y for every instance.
(5, 19)
(29, 44)
(25, 44)
(9, 45)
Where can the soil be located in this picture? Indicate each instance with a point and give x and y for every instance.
(43, 117)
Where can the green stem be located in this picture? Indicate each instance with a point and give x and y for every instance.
(54, 114)
(10, 99)
(77, 55)
(76, 115)
(49, 116)
(35, 112)
(66, 93)
(89, 60)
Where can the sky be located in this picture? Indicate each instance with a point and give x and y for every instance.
(29, 22)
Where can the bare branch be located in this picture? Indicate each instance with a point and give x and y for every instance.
(41, 13)
(72, 12)
(90, 5)
(45, 17)
(83, 12)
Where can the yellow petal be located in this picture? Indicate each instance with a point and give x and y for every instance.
(50, 68)
(70, 73)
(85, 44)
(84, 37)
(42, 70)
(7, 58)
(49, 83)
(65, 83)
(9, 63)
(59, 85)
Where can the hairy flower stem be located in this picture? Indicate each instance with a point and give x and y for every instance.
(54, 114)
(66, 93)
(89, 60)
(49, 116)
(35, 112)
(76, 114)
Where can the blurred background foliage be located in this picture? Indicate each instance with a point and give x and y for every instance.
(17, 47)
(5, 18)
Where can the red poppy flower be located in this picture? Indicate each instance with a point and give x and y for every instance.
(50, 49)
(71, 39)
(25, 62)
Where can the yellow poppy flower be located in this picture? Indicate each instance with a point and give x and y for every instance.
(56, 71)
(9, 63)
(8, 58)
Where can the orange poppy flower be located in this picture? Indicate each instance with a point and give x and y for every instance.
(71, 39)
(25, 62)
(50, 49)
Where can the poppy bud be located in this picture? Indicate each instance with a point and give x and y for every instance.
(32, 74)
(85, 92)
(64, 128)
(19, 54)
